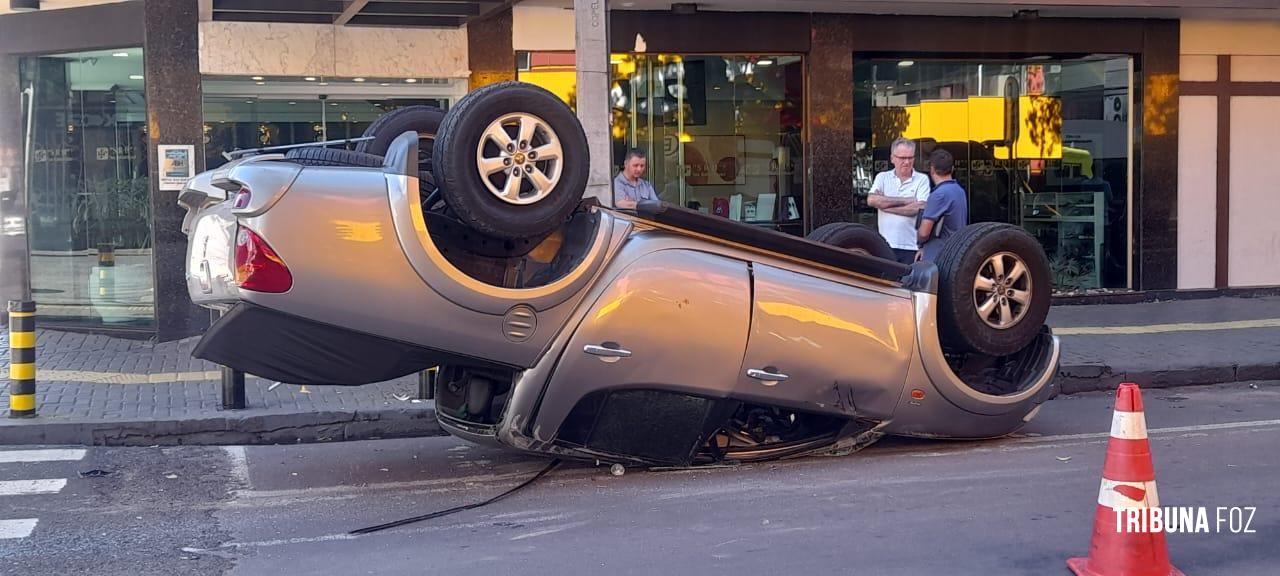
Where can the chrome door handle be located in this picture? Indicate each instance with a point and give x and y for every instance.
(759, 374)
(607, 353)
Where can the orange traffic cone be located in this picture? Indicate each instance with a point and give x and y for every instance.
(1128, 482)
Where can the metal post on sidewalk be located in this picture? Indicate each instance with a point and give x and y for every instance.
(22, 359)
(233, 397)
(427, 383)
(232, 389)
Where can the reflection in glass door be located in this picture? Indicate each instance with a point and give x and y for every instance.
(239, 122)
(88, 188)
(1040, 143)
(723, 134)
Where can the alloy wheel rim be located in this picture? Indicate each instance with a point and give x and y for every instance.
(1002, 290)
(519, 158)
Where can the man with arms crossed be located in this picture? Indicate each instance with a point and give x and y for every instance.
(899, 195)
(629, 186)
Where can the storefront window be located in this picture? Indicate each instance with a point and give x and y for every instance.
(237, 123)
(723, 134)
(1041, 143)
(89, 188)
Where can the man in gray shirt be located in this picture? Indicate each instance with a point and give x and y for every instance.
(947, 211)
(629, 187)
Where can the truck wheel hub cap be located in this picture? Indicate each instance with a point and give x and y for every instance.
(519, 158)
(1002, 290)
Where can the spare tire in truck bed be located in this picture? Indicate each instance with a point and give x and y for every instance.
(425, 120)
(855, 237)
(994, 291)
(511, 160)
(319, 156)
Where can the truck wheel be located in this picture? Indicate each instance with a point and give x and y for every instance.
(425, 120)
(854, 237)
(994, 289)
(317, 156)
(511, 160)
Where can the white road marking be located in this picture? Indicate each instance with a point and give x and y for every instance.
(345, 536)
(1155, 431)
(549, 531)
(1034, 442)
(239, 464)
(7, 457)
(342, 492)
(17, 528)
(1161, 328)
(26, 487)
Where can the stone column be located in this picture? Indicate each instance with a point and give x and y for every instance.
(173, 117)
(591, 46)
(830, 94)
(490, 54)
(14, 272)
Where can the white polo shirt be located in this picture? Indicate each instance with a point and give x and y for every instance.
(900, 231)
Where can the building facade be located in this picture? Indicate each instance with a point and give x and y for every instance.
(1131, 141)
(102, 100)
(1064, 121)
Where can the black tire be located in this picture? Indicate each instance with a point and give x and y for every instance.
(457, 166)
(425, 120)
(962, 324)
(855, 237)
(318, 156)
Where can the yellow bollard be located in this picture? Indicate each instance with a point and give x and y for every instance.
(22, 359)
(106, 270)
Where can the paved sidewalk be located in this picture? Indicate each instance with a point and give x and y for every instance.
(1168, 343)
(99, 390)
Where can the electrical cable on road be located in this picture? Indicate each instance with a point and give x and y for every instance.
(371, 529)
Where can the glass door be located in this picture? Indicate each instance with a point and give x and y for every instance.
(723, 133)
(238, 122)
(88, 183)
(1042, 143)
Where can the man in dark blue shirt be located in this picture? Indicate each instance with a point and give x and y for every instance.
(947, 212)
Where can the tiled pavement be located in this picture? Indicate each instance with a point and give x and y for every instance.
(89, 383)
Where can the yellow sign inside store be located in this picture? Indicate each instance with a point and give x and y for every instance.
(982, 119)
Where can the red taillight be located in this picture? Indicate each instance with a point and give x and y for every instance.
(242, 198)
(258, 267)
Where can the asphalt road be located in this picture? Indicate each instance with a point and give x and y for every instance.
(1019, 505)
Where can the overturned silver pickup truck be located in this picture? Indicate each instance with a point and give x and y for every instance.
(562, 327)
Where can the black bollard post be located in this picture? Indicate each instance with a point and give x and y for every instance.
(232, 389)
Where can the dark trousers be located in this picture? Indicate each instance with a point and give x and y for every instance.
(905, 256)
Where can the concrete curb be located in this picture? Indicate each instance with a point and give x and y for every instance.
(1093, 378)
(248, 428)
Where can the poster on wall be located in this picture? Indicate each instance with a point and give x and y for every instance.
(177, 165)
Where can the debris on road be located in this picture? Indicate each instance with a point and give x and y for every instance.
(95, 473)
